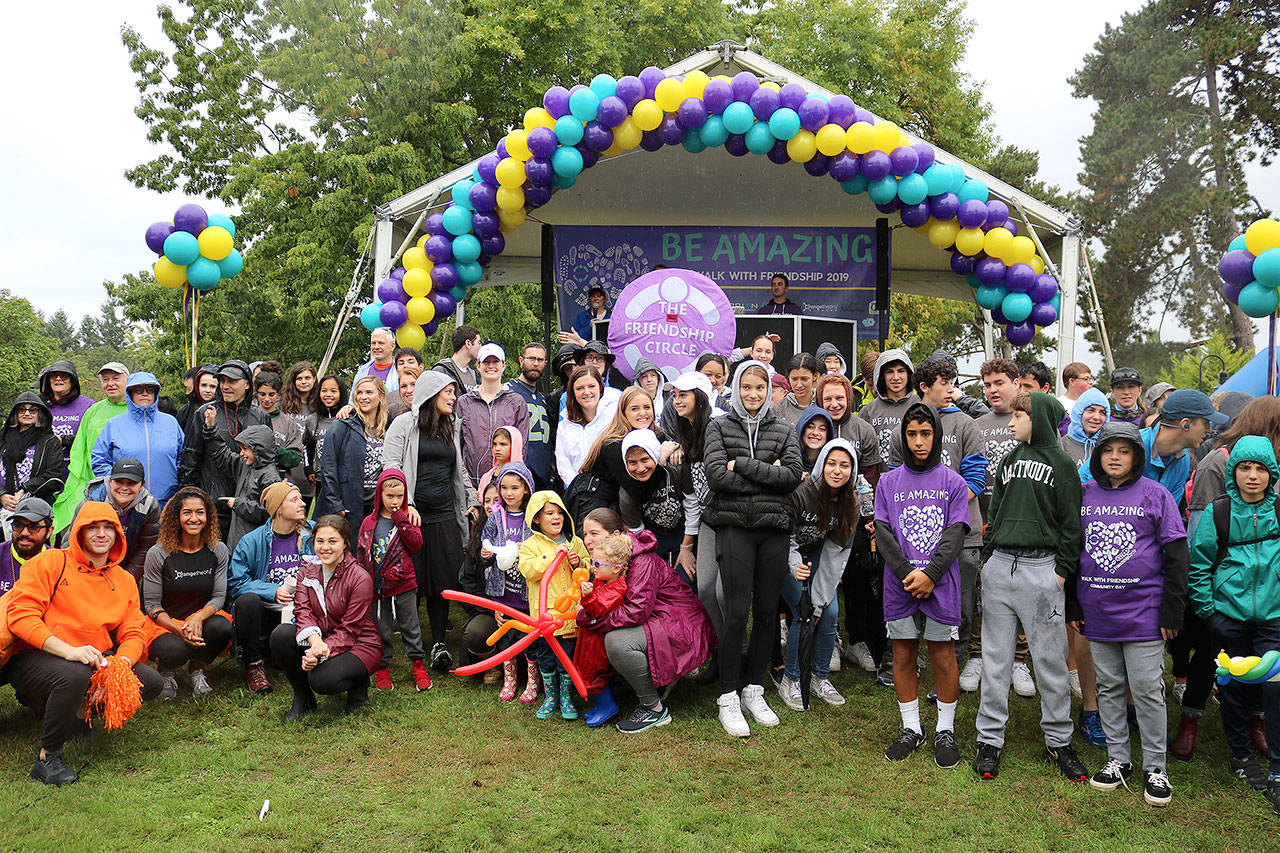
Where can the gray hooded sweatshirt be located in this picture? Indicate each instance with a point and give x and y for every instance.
(885, 415)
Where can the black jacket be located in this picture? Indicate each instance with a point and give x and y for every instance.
(198, 467)
(46, 463)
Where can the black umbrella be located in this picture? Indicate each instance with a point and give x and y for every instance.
(804, 650)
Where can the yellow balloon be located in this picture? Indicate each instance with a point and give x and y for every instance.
(518, 145)
(943, 234)
(510, 172)
(169, 274)
(422, 242)
(669, 94)
(647, 114)
(411, 336)
(1022, 251)
(801, 147)
(695, 83)
(510, 198)
(830, 139)
(538, 117)
(860, 137)
(414, 259)
(725, 78)
(627, 135)
(924, 229)
(613, 150)
(998, 243)
(886, 135)
(1240, 666)
(970, 241)
(421, 309)
(903, 139)
(215, 242)
(1262, 235)
(417, 282)
(1037, 264)
(769, 84)
(510, 220)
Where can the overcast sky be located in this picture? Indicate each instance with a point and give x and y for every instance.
(70, 220)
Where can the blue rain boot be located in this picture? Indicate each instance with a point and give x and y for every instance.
(548, 706)
(603, 711)
(567, 711)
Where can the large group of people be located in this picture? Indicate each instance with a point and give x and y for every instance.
(725, 518)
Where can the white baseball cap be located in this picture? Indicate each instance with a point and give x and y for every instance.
(491, 350)
(693, 380)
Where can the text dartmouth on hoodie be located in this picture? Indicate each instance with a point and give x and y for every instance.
(885, 415)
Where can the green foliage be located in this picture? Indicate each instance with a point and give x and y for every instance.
(24, 347)
(1184, 371)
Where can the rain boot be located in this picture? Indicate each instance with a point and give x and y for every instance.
(1258, 733)
(530, 694)
(603, 711)
(567, 711)
(1183, 745)
(508, 681)
(548, 706)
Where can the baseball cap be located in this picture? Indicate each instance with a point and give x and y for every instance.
(1125, 376)
(235, 369)
(128, 469)
(33, 509)
(114, 367)
(1153, 393)
(1190, 403)
(491, 350)
(693, 380)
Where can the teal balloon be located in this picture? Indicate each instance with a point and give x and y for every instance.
(466, 248)
(461, 196)
(223, 221)
(457, 220)
(604, 85)
(913, 189)
(694, 144)
(1056, 302)
(469, 272)
(583, 104)
(1016, 307)
(1237, 243)
(371, 316)
(563, 182)
(203, 274)
(231, 265)
(972, 281)
(957, 179)
(1266, 268)
(1256, 300)
(181, 248)
(713, 133)
(567, 163)
(990, 297)
(884, 190)
(857, 184)
(738, 117)
(784, 123)
(938, 179)
(569, 130)
(759, 138)
(976, 190)
(459, 293)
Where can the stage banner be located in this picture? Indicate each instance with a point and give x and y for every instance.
(669, 316)
(832, 270)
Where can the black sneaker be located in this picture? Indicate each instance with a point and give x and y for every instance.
(885, 676)
(1247, 770)
(1273, 794)
(1158, 791)
(441, 660)
(987, 762)
(1112, 775)
(51, 770)
(908, 742)
(643, 718)
(945, 752)
(1068, 762)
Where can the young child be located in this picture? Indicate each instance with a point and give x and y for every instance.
(384, 547)
(503, 533)
(603, 593)
(922, 518)
(1234, 587)
(1127, 600)
(507, 446)
(1031, 548)
(253, 468)
(551, 532)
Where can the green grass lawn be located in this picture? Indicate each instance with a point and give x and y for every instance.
(456, 769)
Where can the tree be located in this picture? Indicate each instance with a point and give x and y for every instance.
(61, 331)
(1196, 366)
(24, 347)
(108, 329)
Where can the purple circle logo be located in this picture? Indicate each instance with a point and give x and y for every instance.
(670, 317)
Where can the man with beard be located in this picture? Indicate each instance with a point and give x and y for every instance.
(32, 525)
(537, 450)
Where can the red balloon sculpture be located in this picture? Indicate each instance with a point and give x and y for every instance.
(544, 625)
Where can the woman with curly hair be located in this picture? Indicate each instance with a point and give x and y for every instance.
(184, 587)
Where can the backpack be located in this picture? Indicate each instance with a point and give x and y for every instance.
(1222, 525)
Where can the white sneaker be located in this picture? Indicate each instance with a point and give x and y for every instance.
(971, 676)
(169, 688)
(1023, 684)
(1178, 691)
(200, 684)
(835, 659)
(860, 654)
(789, 692)
(826, 691)
(782, 632)
(1073, 678)
(753, 703)
(731, 719)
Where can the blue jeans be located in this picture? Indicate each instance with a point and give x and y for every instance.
(824, 633)
(1241, 639)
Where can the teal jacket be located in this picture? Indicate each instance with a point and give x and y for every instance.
(1246, 585)
(248, 569)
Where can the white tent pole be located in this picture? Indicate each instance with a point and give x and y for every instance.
(348, 303)
(1068, 285)
(988, 335)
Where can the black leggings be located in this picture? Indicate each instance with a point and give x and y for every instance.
(753, 563)
(56, 687)
(437, 566)
(1194, 652)
(170, 651)
(254, 622)
(863, 602)
(338, 674)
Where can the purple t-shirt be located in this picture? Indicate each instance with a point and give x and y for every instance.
(381, 372)
(918, 506)
(66, 417)
(285, 558)
(515, 593)
(1121, 582)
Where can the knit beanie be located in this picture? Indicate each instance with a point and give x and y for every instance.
(274, 495)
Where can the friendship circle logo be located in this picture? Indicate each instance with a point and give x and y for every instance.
(670, 316)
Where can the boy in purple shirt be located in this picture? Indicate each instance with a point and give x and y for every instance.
(1127, 599)
(922, 517)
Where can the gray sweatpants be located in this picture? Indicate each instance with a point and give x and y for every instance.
(710, 590)
(399, 611)
(1141, 667)
(1023, 588)
(628, 651)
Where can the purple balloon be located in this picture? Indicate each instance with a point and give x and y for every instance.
(763, 102)
(1020, 334)
(630, 89)
(537, 196)
(997, 212)
(398, 273)
(483, 196)
(875, 165)
(488, 167)
(435, 224)
(651, 77)
(157, 231)
(971, 213)
(990, 271)
(997, 316)
(485, 223)
(924, 156)
(717, 95)
(1020, 278)
(944, 207)
(430, 328)
(813, 113)
(493, 245)
(744, 85)
(394, 314)
(439, 249)
(444, 302)
(597, 137)
(1236, 266)
(542, 142)
(670, 130)
(778, 153)
(538, 170)
(501, 148)
(736, 144)
(1011, 226)
(390, 290)
(589, 157)
(915, 215)
(962, 264)
(903, 160)
(818, 165)
(1043, 313)
(859, 114)
(844, 166)
(484, 260)
(893, 205)
(556, 101)
(841, 111)
(1044, 288)
(792, 96)
(692, 114)
(611, 112)
(1232, 292)
(190, 218)
(651, 140)
(444, 277)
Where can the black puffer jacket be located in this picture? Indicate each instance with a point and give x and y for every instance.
(756, 493)
(198, 467)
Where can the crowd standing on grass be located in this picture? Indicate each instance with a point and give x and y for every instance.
(724, 519)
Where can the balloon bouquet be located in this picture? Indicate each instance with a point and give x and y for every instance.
(197, 250)
(830, 136)
(1250, 269)
(1249, 670)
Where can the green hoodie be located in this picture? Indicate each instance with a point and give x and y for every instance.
(1246, 585)
(1035, 501)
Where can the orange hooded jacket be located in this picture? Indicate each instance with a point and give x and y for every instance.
(91, 604)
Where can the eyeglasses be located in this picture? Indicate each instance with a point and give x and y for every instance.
(597, 359)
(20, 524)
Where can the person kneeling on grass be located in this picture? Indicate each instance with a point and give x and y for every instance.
(922, 518)
(333, 645)
(1127, 600)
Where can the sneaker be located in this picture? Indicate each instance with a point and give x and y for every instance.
(421, 678)
(1273, 794)
(1179, 690)
(1247, 771)
(782, 631)
(730, 713)
(885, 676)
(52, 770)
(1112, 775)
(825, 690)
(643, 718)
(1091, 728)
(1023, 684)
(753, 703)
(860, 654)
(971, 675)
(255, 676)
(908, 742)
(441, 660)
(835, 659)
(789, 693)
(169, 690)
(1066, 760)
(986, 763)
(1158, 791)
(1073, 679)
(382, 679)
(945, 752)
(200, 684)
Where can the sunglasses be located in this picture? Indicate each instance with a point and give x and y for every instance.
(28, 410)
(596, 564)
